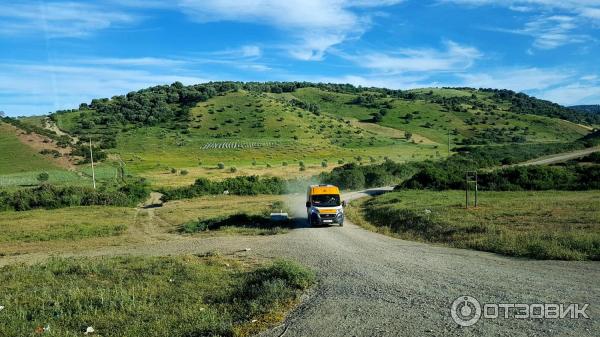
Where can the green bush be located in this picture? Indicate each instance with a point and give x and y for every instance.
(237, 220)
(241, 185)
(221, 166)
(51, 197)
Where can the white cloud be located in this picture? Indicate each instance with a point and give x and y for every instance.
(39, 88)
(134, 61)
(518, 79)
(573, 94)
(315, 25)
(59, 19)
(455, 57)
(551, 31)
(556, 22)
(251, 51)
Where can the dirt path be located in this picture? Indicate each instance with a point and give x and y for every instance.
(373, 285)
(560, 157)
(50, 125)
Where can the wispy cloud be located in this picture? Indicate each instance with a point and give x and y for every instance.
(573, 94)
(39, 88)
(59, 19)
(551, 31)
(455, 57)
(558, 25)
(314, 25)
(519, 79)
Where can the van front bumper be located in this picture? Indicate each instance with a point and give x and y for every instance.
(325, 219)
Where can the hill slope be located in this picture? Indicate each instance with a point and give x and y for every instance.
(261, 127)
(594, 108)
(17, 156)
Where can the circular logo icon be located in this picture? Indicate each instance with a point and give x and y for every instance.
(465, 311)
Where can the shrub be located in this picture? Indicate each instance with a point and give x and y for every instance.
(173, 170)
(221, 166)
(241, 185)
(324, 163)
(183, 172)
(233, 169)
(43, 177)
(284, 163)
(52, 197)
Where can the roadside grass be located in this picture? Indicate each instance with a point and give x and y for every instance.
(225, 214)
(40, 229)
(148, 296)
(541, 225)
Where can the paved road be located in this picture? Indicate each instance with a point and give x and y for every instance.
(373, 285)
(561, 157)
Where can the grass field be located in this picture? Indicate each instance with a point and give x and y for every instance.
(182, 212)
(142, 296)
(542, 225)
(77, 228)
(44, 230)
(18, 157)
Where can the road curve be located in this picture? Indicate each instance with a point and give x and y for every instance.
(374, 285)
(560, 157)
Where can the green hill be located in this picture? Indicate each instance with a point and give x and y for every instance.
(174, 133)
(17, 156)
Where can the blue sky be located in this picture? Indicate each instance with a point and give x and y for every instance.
(56, 54)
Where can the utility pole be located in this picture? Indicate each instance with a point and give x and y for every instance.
(448, 140)
(92, 161)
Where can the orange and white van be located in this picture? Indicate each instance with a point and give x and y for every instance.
(324, 205)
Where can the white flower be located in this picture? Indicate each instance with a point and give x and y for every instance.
(1, 307)
(89, 330)
(427, 211)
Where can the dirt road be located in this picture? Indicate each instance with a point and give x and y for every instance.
(373, 285)
(560, 157)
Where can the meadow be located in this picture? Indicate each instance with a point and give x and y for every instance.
(148, 296)
(542, 225)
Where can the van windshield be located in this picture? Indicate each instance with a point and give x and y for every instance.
(326, 200)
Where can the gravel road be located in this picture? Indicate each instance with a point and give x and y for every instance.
(373, 285)
(561, 157)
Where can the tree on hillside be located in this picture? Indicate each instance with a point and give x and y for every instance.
(43, 177)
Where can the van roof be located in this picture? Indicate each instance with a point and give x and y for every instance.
(324, 189)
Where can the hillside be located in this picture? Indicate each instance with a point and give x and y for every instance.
(18, 156)
(594, 108)
(172, 134)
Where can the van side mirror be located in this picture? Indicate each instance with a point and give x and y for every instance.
(344, 203)
(307, 204)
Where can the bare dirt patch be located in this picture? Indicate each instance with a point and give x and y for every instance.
(39, 143)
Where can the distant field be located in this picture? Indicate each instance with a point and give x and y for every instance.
(148, 296)
(543, 225)
(18, 157)
(81, 177)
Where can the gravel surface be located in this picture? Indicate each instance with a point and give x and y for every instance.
(373, 285)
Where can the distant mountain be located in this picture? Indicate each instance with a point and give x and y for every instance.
(592, 108)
